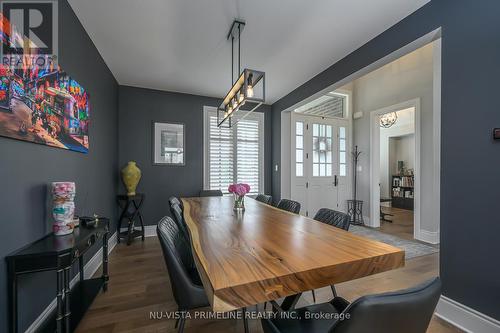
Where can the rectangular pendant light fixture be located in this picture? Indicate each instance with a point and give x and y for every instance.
(247, 92)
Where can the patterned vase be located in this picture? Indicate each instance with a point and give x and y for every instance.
(131, 175)
(63, 208)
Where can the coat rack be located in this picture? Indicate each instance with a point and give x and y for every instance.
(355, 207)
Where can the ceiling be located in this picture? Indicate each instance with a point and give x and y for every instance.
(180, 45)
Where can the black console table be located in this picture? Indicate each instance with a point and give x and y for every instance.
(58, 253)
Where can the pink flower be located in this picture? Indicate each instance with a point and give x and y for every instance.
(239, 189)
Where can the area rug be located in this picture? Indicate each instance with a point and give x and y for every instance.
(412, 248)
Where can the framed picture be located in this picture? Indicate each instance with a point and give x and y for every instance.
(168, 144)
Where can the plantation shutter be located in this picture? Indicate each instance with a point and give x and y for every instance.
(248, 154)
(234, 155)
(221, 156)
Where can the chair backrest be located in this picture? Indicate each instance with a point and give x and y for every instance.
(210, 193)
(289, 205)
(408, 311)
(332, 217)
(267, 199)
(179, 260)
(174, 200)
(178, 216)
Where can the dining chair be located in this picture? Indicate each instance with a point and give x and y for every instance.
(289, 205)
(175, 200)
(409, 310)
(184, 278)
(267, 199)
(178, 216)
(332, 217)
(210, 193)
(336, 219)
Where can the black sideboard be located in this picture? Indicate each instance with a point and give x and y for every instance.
(58, 253)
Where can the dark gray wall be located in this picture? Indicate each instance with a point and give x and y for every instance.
(139, 107)
(26, 168)
(470, 213)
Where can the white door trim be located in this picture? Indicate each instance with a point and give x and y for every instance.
(374, 220)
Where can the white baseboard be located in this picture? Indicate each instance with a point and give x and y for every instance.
(89, 270)
(149, 230)
(465, 318)
(431, 237)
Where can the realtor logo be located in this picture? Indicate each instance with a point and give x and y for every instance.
(28, 28)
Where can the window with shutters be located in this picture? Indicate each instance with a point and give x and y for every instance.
(234, 155)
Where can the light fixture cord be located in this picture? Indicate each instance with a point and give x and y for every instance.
(232, 59)
(239, 48)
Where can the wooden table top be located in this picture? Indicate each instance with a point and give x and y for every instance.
(267, 253)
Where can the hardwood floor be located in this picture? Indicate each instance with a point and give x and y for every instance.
(402, 222)
(139, 285)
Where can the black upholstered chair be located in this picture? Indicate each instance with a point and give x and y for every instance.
(174, 200)
(178, 216)
(408, 311)
(289, 205)
(210, 193)
(267, 199)
(332, 217)
(186, 283)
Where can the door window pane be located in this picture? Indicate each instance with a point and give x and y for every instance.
(299, 156)
(299, 169)
(299, 142)
(322, 150)
(315, 169)
(342, 152)
(299, 149)
(299, 128)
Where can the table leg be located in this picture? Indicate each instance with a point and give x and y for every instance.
(105, 261)
(129, 233)
(290, 301)
(12, 290)
(80, 265)
(67, 300)
(59, 314)
(245, 320)
(142, 226)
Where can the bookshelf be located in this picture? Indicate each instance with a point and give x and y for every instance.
(403, 191)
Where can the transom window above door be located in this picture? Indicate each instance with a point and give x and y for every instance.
(233, 155)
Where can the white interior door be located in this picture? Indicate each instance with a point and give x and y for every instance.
(320, 163)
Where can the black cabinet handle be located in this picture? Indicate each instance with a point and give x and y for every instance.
(336, 180)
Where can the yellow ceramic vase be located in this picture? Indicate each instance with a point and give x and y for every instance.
(131, 175)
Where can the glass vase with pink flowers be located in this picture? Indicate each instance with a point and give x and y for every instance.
(239, 191)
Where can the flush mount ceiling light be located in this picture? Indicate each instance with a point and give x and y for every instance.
(247, 92)
(388, 119)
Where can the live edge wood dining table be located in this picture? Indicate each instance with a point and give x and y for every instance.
(266, 253)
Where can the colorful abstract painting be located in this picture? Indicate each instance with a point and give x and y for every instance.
(41, 103)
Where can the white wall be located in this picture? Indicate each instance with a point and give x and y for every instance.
(405, 79)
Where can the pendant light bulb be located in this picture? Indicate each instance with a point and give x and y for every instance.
(250, 86)
(240, 97)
